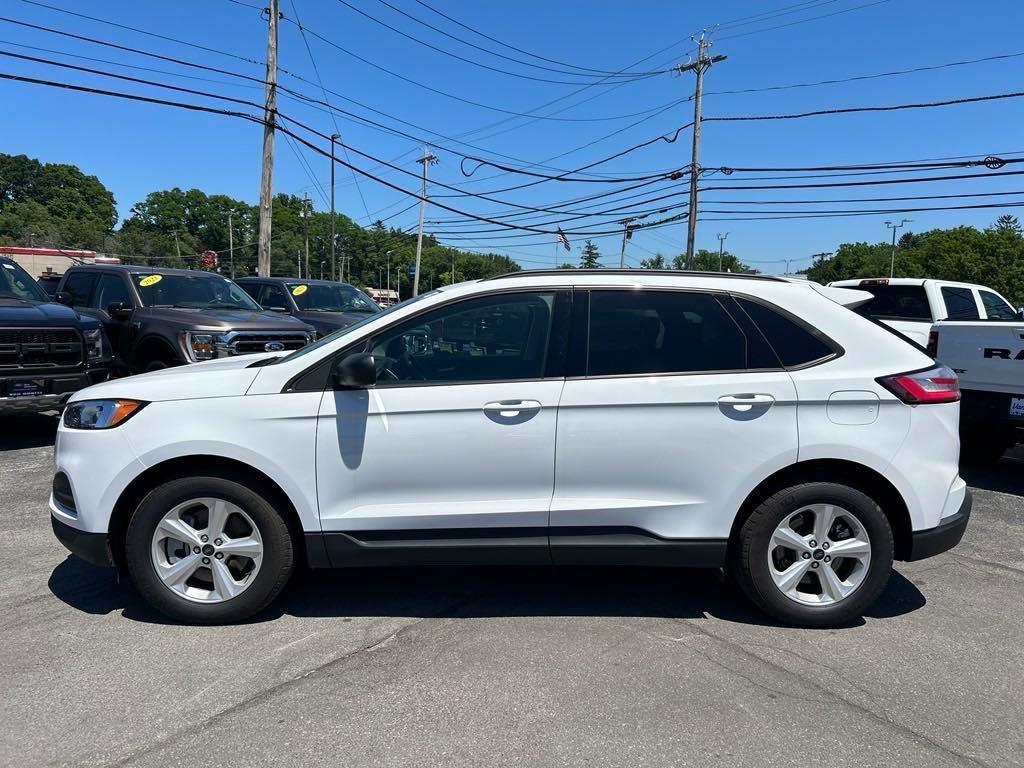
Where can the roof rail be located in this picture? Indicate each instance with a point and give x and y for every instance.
(635, 273)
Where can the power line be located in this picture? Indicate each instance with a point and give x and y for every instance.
(803, 21)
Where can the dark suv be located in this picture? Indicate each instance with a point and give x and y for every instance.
(47, 351)
(324, 304)
(157, 318)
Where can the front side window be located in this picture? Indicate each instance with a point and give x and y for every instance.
(79, 285)
(16, 283)
(960, 304)
(996, 307)
(112, 290)
(493, 338)
(272, 297)
(639, 332)
(198, 291)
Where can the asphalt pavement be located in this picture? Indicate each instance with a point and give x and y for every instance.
(525, 666)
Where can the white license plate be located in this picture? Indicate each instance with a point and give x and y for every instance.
(1017, 406)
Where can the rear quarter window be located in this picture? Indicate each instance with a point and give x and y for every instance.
(795, 344)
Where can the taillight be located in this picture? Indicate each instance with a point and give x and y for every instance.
(933, 385)
(933, 343)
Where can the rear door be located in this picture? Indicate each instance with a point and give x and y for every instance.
(677, 404)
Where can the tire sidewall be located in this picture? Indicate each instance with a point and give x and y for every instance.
(275, 568)
(760, 527)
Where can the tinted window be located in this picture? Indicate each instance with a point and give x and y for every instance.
(635, 332)
(79, 285)
(331, 298)
(272, 297)
(112, 289)
(493, 338)
(895, 302)
(995, 307)
(16, 283)
(200, 290)
(794, 344)
(960, 304)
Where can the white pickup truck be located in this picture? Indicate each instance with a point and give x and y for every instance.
(973, 330)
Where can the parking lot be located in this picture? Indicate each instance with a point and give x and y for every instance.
(528, 666)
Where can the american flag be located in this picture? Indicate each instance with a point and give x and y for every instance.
(563, 239)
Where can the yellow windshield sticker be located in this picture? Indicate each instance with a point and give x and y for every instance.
(298, 290)
(151, 280)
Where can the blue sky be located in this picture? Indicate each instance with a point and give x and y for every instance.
(136, 148)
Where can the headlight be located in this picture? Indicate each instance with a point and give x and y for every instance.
(100, 414)
(201, 346)
(95, 344)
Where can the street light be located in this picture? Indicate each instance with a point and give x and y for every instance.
(894, 227)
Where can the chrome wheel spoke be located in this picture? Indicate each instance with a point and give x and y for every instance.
(218, 517)
(831, 585)
(855, 547)
(244, 547)
(175, 574)
(179, 530)
(824, 517)
(788, 579)
(786, 537)
(224, 584)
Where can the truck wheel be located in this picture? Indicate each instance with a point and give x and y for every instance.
(207, 550)
(814, 555)
(155, 365)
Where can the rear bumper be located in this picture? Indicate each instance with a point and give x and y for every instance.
(978, 407)
(92, 547)
(944, 536)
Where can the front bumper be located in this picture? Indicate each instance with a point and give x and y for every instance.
(57, 388)
(944, 536)
(92, 547)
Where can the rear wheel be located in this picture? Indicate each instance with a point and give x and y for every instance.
(814, 555)
(208, 550)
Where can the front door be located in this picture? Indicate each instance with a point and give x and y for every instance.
(452, 454)
(678, 407)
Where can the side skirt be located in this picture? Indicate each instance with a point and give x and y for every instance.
(510, 546)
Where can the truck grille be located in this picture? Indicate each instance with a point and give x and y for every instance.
(248, 343)
(28, 348)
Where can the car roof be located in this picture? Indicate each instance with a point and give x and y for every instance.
(140, 269)
(643, 275)
(857, 282)
(282, 280)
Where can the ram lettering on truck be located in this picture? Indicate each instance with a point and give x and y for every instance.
(1003, 354)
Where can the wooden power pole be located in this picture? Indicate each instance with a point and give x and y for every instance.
(429, 158)
(699, 67)
(306, 211)
(269, 120)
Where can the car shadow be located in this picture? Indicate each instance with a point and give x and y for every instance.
(1006, 476)
(29, 430)
(476, 592)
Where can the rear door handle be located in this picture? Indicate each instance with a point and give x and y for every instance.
(745, 402)
(511, 408)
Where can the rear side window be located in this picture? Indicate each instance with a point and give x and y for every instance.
(794, 343)
(995, 307)
(635, 332)
(895, 302)
(960, 304)
(79, 285)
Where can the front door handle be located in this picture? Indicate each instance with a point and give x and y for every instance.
(746, 402)
(511, 408)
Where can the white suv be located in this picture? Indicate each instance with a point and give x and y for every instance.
(548, 417)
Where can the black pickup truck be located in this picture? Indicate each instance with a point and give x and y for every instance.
(47, 351)
(326, 305)
(157, 318)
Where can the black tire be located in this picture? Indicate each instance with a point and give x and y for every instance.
(275, 569)
(750, 550)
(984, 448)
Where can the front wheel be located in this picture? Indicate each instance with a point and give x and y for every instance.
(814, 555)
(207, 550)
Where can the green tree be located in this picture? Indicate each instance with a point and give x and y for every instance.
(655, 262)
(1007, 222)
(590, 258)
(707, 261)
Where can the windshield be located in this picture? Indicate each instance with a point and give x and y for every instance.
(15, 283)
(322, 297)
(198, 291)
(331, 337)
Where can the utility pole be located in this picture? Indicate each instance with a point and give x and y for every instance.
(699, 67)
(721, 248)
(334, 138)
(298, 264)
(177, 246)
(269, 120)
(453, 266)
(231, 245)
(894, 227)
(305, 228)
(627, 233)
(429, 158)
(388, 268)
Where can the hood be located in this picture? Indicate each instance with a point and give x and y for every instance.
(226, 377)
(223, 319)
(18, 313)
(325, 322)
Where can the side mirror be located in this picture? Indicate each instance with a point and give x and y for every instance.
(63, 297)
(119, 310)
(356, 371)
